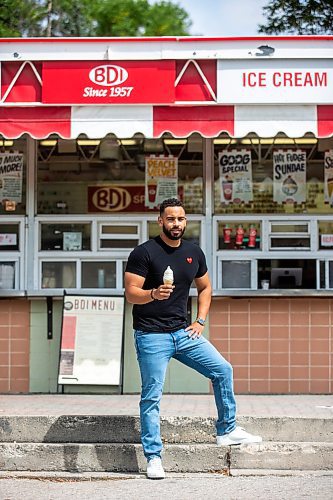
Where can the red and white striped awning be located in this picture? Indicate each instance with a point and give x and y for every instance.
(69, 122)
(95, 87)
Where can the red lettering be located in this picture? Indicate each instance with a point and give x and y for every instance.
(277, 79)
(321, 79)
(254, 79)
(262, 79)
(308, 80)
(287, 79)
(298, 79)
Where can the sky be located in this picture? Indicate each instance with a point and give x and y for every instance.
(224, 17)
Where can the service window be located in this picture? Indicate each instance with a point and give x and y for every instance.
(108, 176)
(239, 235)
(59, 274)
(277, 175)
(235, 274)
(9, 237)
(287, 235)
(8, 275)
(101, 274)
(65, 237)
(116, 236)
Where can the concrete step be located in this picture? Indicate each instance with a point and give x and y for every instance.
(126, 429)
(74, 457)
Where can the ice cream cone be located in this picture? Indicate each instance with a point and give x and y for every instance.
(168, 276)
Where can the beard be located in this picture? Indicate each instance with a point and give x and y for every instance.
(169, 234)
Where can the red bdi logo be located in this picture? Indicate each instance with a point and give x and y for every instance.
(108, 75)
(189, 260)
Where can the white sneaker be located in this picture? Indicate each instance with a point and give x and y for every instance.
(155, 469)
(237, 436)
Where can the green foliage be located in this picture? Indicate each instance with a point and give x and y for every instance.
(70, 18)
(139, 18)
(298, 17)
(166, 18)
(18, 17)
(92, 18)
(125, 18)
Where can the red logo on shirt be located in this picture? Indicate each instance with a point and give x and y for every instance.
(189, 260)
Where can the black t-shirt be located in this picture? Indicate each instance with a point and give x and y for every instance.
(150, 260)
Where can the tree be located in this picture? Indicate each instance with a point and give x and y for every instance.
(166, 18)
(91, 18)
(298, 17)
(139, 18)
(68, 18)
(19, 17)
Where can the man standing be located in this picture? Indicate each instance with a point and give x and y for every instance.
(162, 331)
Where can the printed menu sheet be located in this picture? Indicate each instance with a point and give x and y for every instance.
(91, 342)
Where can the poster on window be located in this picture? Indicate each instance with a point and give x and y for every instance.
(91, 340)
(289, 176)
(235, 176)
(161, 180)
(328, 177)
(11, 174)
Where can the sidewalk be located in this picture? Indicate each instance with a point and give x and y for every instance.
(315, 406)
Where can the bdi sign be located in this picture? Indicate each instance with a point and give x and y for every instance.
(275, 82)
(114, 82)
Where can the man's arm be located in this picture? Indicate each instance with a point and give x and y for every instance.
(204, 299)
(204, 295)
(136, 295)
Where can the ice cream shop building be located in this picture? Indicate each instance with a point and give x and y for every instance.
(94, 133)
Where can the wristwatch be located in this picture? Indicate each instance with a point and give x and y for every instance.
(201, 321)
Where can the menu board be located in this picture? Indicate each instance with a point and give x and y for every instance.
(91, 340)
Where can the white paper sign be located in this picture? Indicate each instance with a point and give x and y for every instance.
(11, 174)
(8, 239)
(161, 179)
(267, 81)
(235, 176)
(326, 240)
(72, 241)
(328, 177)
(289, 176)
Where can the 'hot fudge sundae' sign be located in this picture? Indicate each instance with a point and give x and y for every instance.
(289, 176)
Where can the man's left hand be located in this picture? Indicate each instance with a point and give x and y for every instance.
(194, 330)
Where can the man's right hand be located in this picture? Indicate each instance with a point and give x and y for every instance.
(163, 292)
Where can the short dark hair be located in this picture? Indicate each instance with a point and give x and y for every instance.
(170, 202)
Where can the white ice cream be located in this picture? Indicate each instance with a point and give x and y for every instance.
(168, 276)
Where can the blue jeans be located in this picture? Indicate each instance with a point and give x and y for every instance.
(154, 351)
